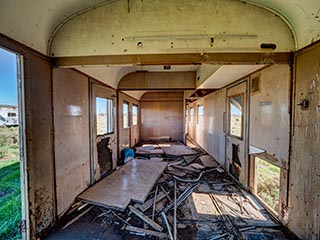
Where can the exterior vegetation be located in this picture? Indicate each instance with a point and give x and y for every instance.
(10, 192)
(268, 183)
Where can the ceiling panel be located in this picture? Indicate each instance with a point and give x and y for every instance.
(32, 22)
(228, 74)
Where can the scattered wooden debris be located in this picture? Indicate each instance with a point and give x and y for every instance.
(145, 232)
(76, 218)
(217, 202)
(146, 205)
(143, 217)
(167, 225)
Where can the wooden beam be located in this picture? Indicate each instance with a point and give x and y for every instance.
(177, 59)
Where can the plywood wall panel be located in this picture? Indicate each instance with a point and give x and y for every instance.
(304, 201)
(162, 115)
(39, 143)
(209, 134)
(72, 142)
(270, 113)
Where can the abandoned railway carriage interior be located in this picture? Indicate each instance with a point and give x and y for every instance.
(184, 119)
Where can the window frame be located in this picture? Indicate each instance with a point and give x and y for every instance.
(256, 182)
(191, 120)
(109, 121)
(242, 116)
(123, 115)
(198, 115)
(134, 123)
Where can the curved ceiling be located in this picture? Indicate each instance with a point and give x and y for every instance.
(166, 26)
(32, 22)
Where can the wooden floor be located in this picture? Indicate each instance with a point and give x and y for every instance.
(133, 181)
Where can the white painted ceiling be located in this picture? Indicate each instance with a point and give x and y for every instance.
(113, 74)
(227, 74)
(222, 76)
(32, 22)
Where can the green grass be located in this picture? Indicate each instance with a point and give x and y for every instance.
(10, 193)
(268, 183)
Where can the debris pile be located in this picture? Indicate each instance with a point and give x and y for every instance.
(193, 199)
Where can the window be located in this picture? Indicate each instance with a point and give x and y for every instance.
(236, 116)
(200, 114)
(11, 114)
(267, 183)
(104, 116)
(134, 115)
(191, 115)
(126, 123)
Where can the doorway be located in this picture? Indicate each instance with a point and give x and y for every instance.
(103, 131)
(236, 131)
(13, 189)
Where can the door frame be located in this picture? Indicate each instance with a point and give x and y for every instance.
(245, 125)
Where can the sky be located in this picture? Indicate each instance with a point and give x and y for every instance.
(8, 78)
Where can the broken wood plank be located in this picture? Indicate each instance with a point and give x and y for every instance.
(145, 232)
(177, 149)
(164, 217)
(252, 200)
(76, 218)
(147, 204)
(208, 161)
(146, 219)
(190, 159)
(111, 192)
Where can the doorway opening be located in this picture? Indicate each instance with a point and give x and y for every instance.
(12, 160)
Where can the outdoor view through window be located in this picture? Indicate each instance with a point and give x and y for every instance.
(10, 188)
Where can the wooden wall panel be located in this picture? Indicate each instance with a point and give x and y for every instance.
(210, 135)
(270, 113)
(162, 115)
(39, 139)
(38, 128)
(304, 201)
(72, 142)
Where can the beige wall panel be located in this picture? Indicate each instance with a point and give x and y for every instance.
(209, 134)
(162, 115)
(304, 189)
(39, 139)
(71, 125)
(130, 136)
(269, 113)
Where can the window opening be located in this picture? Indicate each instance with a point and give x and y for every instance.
(12, 192)
(104, 116)
(236, 116)
(134, 115)
(126, 123)
(200, 114)
(191, 115)
(267, 183)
